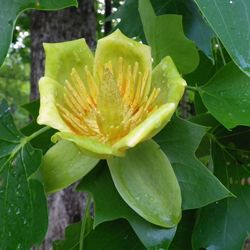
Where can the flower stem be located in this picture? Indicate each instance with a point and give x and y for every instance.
(192, 88)
(221, 52)
(27, 139)
(37, 133)
(84, 220)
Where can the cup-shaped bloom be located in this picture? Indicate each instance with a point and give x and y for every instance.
(108, 102)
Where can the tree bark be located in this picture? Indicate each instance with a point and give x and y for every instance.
(59, 26)
(65, 207)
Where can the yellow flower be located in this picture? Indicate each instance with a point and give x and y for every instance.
(110, 102)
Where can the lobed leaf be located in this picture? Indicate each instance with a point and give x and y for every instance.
(166, 37)
(10, 10)
(227, 96)
(42, 141)
(228, 224)
(112, 236)
(193, 22)
(23, 206)
(182, 238)
(233, 32)
(199, 187)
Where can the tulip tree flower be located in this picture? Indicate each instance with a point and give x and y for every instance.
(109, 106)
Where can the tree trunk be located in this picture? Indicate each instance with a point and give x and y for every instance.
(58, 26)
(65, 207)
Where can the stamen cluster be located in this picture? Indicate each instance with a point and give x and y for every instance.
(110, 104)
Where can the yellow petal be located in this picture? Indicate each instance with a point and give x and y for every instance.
(148, 128)
(62, 57)
(123, 52)
(50, 94)
(90, 146)
(166, 77)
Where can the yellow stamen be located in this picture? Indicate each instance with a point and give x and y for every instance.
(128, 84)
(81, 87)
(136, 100)
(91, 85)
(69, 90)
(71, 119)
(135, 71)
(109, 107)
(73, 105)
(143, 84)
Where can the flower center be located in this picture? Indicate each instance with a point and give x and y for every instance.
(109, 105)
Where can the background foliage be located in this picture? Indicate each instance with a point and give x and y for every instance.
(209, 149)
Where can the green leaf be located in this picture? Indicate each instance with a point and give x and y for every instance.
(200, 76)
(33, 108)
(193, 22)
(42, 141)
(166, 37)
(225, 224)
(100, 184)
(228, 223)
(63, 165)
(227, 96)
(130, 23)
(199, 187)
(23, 206)
(72, 238)
(107, 236)
(202, 73)
(195, 25)
(112, 236)
(236, 140)
(146, 181)
(232, 31)
(10, 10)
(182, 239)
(205, 119)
